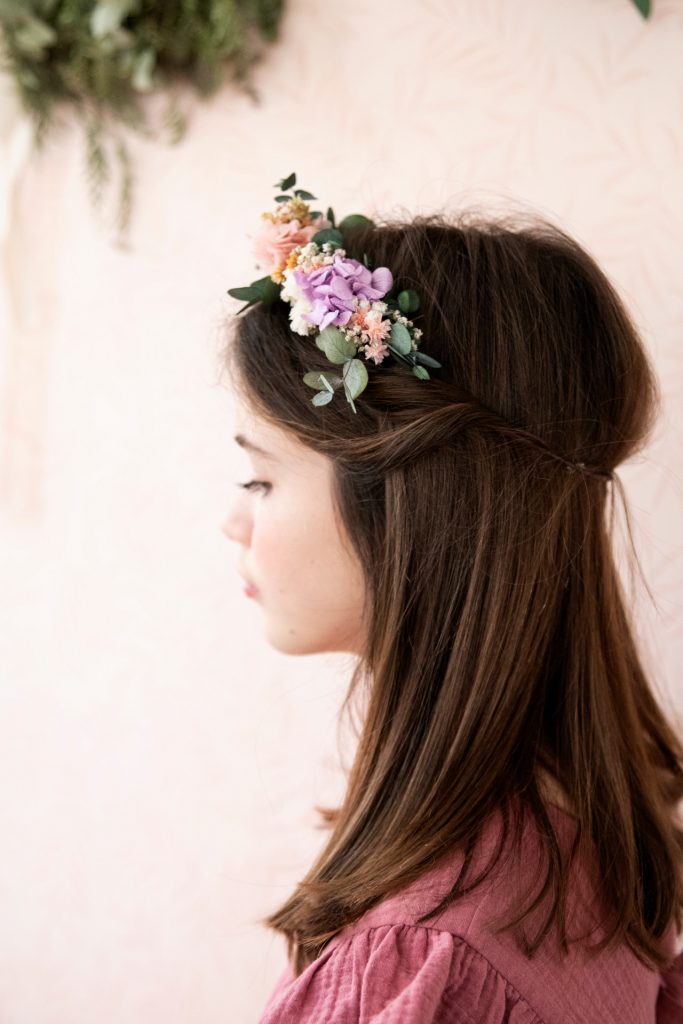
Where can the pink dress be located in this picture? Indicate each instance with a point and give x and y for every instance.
(386, 968)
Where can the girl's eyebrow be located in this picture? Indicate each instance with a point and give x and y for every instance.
(244, 442)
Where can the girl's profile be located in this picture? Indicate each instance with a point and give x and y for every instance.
(509, 846)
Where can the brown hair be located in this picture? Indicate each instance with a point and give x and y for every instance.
(496, 616)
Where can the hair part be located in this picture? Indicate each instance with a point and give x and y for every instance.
(496, 616)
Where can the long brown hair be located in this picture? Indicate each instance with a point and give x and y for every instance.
(496, 618)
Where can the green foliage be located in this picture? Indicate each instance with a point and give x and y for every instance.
(401, 339)
(321, 380)
(335, 345)
(264, 290)
(354, 220)
(103, 56)
(331, 235)
(408, 302)
(644, 6)
(355, 377)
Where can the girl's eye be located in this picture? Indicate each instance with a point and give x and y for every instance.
(252, 485)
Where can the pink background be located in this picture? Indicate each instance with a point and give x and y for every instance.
(158, 762)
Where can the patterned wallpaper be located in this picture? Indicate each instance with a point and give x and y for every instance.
(159, 762)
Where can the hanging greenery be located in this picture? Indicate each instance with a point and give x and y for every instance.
(103, 57)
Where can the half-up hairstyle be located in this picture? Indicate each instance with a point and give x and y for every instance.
(499, 637)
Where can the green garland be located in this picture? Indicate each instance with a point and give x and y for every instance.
(102, 57)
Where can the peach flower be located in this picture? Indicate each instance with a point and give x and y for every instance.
(359, 319)
(275, 241)
(376, 328)
(376, 350)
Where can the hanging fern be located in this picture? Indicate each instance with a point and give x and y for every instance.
(102, 57)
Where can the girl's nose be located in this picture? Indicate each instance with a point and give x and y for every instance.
(235, 526)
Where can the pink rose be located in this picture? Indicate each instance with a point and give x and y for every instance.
(274, 242)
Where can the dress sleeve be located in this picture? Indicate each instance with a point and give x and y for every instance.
(670, 1001)
(398, 974)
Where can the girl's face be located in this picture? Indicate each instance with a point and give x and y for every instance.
(308, 580)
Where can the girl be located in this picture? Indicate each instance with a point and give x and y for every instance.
(508, 847)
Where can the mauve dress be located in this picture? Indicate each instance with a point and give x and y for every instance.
(386, 968)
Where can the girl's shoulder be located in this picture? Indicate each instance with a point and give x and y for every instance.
(389, 966)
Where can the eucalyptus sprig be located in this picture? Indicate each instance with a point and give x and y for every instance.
(354, 376)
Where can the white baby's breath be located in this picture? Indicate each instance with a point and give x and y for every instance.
(297, 323)
(290, 290)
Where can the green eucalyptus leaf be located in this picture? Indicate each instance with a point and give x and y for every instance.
(264, 290)
(422, 357)
(355, 376)
(420, 372)
(328, 235)
(349, 399)
(317, 378)
(303, 195)
(269, 290)
(107, 16)
(355, 220)
(397, 356)
(45, 7)
(282, 199)
(330, 215)
(142, 80)
(286, 182)
(28, 79)
(335, 345)
(644, 6)
(400, 338)
(322, 398)
(327, 335)
(408, 302)
(331, 380)
(32, 38)
(117, 43)
(244, 293)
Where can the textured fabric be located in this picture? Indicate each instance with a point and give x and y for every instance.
(386, 968)
(670, 1003)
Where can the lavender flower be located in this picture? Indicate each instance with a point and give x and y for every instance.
(334, 289)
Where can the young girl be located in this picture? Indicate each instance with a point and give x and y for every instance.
(434, 410)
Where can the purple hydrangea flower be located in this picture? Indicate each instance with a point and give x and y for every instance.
(334, 290)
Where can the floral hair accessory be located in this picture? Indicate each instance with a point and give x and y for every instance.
(353, 312)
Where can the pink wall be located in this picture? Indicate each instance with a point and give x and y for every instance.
(158, 762)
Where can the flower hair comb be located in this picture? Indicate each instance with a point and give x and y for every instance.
(351, 310)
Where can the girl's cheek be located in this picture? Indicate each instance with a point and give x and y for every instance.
(285, 545)
(269, 545)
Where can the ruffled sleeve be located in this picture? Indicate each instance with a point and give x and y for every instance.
(670, 1002)
(398, 974)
